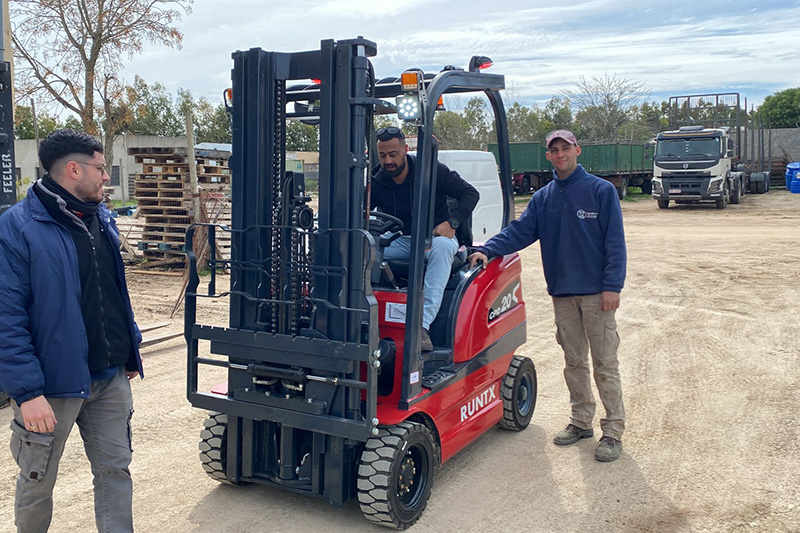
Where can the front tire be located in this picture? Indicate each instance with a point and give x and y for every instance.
(518, 391)
(663, 203)
(395, 474)
(214, 447)
(736, 195)
(722, 203)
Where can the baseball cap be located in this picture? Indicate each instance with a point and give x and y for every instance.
(560, 134)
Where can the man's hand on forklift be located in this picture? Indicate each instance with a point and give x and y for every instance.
(475, 257)
(444, 230)
(609, 301)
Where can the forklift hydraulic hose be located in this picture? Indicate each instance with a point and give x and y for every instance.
(265, 371)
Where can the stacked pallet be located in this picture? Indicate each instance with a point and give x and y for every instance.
(164, 194)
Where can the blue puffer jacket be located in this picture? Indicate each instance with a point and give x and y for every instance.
(43, 346)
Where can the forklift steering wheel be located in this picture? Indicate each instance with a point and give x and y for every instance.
(380, 223)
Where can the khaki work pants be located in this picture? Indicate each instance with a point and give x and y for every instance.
(581, 325)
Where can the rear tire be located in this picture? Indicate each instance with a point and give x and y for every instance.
(214, 447)
(622, 190)
(518, 391)
(395, 474)
(663, 203)
(526, 185)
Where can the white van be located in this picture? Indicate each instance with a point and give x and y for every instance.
(480, 170)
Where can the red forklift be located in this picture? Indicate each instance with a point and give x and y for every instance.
(327, 391)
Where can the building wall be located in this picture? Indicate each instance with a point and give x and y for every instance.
(27, 160)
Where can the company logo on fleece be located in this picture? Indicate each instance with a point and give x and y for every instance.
(586, 214)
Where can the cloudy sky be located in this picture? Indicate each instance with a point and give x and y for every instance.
(674, 48)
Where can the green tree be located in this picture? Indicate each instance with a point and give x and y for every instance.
(452, 130)
(524, 123)
(557, 115)
(153, 110)
(23, 123)
(783, 108)
(211, 122)
(301, 137)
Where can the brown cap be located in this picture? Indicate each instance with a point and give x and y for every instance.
(561, 134)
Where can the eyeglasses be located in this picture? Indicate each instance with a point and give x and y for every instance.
(101, 167)
(392, 132)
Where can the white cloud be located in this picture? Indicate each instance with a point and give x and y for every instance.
(542, 48)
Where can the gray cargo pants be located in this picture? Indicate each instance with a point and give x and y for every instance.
(580, 325)
(104, 422)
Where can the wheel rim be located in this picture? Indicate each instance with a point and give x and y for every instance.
(412, 478)
(525, 394)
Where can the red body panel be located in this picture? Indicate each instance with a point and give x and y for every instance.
(470, 406)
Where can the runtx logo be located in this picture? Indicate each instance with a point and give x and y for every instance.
(586, 214)
(469, 409)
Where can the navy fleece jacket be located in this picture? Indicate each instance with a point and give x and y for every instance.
(579, 223)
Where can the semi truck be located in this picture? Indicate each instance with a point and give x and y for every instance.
(624, 164)
(704, 157)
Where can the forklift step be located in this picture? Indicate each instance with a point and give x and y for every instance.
(437, 378)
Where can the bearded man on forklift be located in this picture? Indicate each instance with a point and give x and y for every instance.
(578, 221)
(392, 193)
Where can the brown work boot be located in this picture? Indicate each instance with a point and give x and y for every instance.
(426, 345)
(608, 449)
(571, 434)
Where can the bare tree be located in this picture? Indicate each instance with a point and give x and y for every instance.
(602, 105)
(71, 50)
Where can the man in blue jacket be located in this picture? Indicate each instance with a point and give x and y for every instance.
(393, 193)
(578, 221)
(68, 341)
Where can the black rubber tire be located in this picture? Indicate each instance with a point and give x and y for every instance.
(722, 203)
(214, 447)
(760, 187)
(736, 194)
(767, 185)
(663, 203)
(622, 190)
(526, 185)
(647, 187)
(518, 390)
(407, 448)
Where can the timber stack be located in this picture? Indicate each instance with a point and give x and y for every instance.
(164, 194)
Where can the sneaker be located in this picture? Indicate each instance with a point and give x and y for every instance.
(608, 449)
(572, 433)
(426, 345)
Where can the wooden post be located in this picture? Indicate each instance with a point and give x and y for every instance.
(192, 168)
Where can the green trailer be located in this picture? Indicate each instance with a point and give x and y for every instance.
(622, 163)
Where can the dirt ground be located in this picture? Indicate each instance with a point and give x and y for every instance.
(710, 360)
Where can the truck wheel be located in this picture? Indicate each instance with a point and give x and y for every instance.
(395, 474)
(526, 185)
(622, 190)
(663, 203)
(518, 390)
(722, 203)
(736, 195)
(214, 447)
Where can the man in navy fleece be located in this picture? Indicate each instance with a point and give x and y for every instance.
(578, 221)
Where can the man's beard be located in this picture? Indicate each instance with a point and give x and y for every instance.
(399, 170)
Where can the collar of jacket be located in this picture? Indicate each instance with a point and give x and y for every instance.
(578, 174)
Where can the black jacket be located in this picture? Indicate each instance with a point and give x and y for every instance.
(396, 200)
